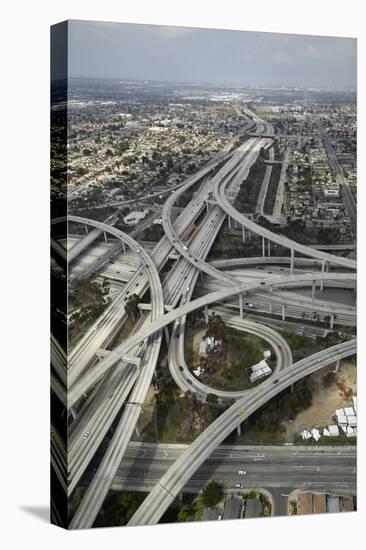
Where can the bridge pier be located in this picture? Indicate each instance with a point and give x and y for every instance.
(269, 248)
(322, 282)
(313, 290)
(270, 307)
(337, 365)
(263, 247)
(105, 237)
(167, 336)
(229, 221)
(86, 228)
(332, 321)
(241, 305)
(243, 233)
(283, 312)
(238, 431)
(292, 266)
(205, 310)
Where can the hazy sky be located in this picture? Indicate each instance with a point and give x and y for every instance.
(149, 52)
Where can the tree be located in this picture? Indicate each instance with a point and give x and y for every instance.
(212, 399)
(187, 512)
(212, 493)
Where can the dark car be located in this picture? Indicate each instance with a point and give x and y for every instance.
(189, 381)
(275, 381)
(180, 368)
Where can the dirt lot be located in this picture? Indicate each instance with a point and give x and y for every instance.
(325, 401)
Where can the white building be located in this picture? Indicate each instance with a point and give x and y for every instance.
(135, 216)
(260, 370)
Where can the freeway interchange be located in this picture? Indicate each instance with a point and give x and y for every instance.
(101, 383)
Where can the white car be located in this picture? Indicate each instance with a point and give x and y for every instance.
(242, 472)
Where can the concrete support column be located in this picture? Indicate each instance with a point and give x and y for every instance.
(167, 336)
(269, 248)
(105, 236)
(137, 432)
(322, 282)
(332, 321)
(313, 290)
(270, 307)
(238, 431)
(292, 261)
(241, 305)
(283, 312)
(243, 232)
(229, 221)
(86, 229)
(337, 365)
(263, 247)
(206, 314)
(124, 248)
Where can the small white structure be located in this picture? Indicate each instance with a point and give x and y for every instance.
(351, 432)
(198, 372)
(135, 216)
(203, 347)
(352, 421)
(305, 434)
(209, 344)
(342, 420)
(348, 411)
(354, 399)
(326, 433)
(267, 354)
(259, 370)
(315, 434)
(333, 430)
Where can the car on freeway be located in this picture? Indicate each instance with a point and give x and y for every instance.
(180, 367)
(189, 381)
(237, 486)
(275, 381)
(138, 250)
(185, 247)
(242, 472)
(279, 347)
(86, 435)
(263, 283)
(241, 412)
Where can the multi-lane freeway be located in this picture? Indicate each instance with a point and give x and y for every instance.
(145, 464)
